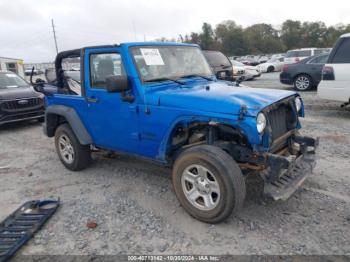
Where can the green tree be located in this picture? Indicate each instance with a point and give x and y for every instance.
(230, 38)
(233, 39)
(263, 38)
(207, 37)
(332, 34)
(290, 34)
(313, 34)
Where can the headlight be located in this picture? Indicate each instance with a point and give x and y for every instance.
(41, 95)
(260, 122)
(298, 103)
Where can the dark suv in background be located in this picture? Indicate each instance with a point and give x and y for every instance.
(18, 100)
(220, 64)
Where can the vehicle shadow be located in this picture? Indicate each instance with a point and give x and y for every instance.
(16, 126)
(152, 172)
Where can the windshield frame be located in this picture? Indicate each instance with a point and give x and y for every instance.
(146, 81)
(17, 76)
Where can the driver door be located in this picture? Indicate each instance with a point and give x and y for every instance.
(112, 122)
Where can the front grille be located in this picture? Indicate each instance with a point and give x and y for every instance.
(278, 121)
(21, 104)
(21, 116)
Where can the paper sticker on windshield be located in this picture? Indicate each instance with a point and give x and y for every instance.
(10, 75)
(152, 56)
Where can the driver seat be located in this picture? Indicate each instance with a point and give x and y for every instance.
(104, 68)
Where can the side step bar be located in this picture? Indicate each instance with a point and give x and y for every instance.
(22, 224)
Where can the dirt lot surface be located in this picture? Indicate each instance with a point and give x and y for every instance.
(136, 211)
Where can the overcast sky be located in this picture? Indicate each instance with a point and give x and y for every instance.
(25, 25)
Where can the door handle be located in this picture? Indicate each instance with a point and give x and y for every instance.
(92, 99)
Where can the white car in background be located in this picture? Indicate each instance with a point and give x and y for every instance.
(296, 55)
(335, 83)
(272, 65)
(249, 72)
(238, 68)
(278, 55)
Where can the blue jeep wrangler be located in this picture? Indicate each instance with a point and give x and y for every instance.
(161, 101)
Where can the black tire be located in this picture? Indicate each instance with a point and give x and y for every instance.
(270, 69)
(227, 173)
(303, 82)
(81, 153)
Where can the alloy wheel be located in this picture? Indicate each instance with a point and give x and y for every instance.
(302, 83)
(200, 187)
(66, 149)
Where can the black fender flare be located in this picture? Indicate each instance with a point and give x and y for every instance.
(52, 114)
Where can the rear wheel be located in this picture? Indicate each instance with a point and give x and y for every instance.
(208, 183)
(72, 154)
(303, 83)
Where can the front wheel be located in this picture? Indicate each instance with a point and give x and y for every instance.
(208, 183)
(270, 69)
(72, 154)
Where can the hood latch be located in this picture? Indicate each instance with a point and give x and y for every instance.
(242, 111)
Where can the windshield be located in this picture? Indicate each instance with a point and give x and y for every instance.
(273, 60)
(11, 80)
(298, 53)
(236, 63)
(169, 62)
(217, 58)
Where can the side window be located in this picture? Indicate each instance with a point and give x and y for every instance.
(71, 72)
(313, 61)
(318, 51)
(304, 53)
(322, 59)
(12, 67)
(342, 55)
(104, 65)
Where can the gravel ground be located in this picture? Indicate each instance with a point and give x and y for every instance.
(136, 210)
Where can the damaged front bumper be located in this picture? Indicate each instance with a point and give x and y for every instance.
(284, 174)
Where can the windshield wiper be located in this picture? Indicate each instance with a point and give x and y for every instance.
(164, 79)
(197, 75)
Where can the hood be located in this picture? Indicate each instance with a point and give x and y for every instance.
(251, 67)
(220, 98)
(17, 93)
(238, 67)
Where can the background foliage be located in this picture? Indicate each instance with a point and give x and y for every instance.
(234, 40)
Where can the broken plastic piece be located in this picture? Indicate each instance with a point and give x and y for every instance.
(22, 224)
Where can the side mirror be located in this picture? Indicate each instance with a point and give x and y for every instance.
(117, 84)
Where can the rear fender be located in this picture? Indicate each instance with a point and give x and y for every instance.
(54, 113)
